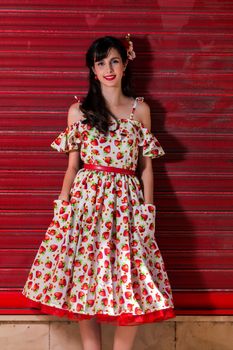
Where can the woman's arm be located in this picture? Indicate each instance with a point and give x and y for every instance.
(74, 114)
(145, 163)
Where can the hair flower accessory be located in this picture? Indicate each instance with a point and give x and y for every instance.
(130, 52)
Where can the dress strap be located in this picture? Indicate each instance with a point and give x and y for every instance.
(135, 105)
(77, 98)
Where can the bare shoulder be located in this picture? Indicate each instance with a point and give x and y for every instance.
(74, 113)
(143, 114)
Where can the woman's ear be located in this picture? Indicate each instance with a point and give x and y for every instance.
(126, 62)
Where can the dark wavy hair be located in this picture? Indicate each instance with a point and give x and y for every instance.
(93, 105)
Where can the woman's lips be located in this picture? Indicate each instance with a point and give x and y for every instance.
(110, 77)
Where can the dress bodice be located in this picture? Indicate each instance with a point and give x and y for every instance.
(119, 148)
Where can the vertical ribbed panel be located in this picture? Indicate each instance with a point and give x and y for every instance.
(184, 70)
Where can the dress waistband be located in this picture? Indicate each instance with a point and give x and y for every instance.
(109, 168)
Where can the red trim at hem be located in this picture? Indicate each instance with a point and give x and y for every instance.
(125, 319)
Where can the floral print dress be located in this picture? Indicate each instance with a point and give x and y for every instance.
(99, 256)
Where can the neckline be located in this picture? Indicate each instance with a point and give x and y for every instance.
(127, 120)
(111, 123)
(75, 124)
(124, 121)
(120, 119)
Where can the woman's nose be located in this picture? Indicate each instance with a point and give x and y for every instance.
(110, 68)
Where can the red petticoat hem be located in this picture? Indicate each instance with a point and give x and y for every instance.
(125, 319)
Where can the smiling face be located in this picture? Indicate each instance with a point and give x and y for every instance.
(110, 70)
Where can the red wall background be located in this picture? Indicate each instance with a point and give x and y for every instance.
(184, 70)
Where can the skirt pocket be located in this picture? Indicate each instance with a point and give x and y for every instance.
(144, 220)
(62, 211)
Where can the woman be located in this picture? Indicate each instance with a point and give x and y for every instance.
(99, 260)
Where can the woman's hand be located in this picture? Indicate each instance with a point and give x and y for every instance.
(64, 197)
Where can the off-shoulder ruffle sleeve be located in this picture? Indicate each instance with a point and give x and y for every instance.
(68, 140)
(151, 146)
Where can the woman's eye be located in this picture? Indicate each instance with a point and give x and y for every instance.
(101, 63)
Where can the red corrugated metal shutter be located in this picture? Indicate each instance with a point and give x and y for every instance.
(184, 71)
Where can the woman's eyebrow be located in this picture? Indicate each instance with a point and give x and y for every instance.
(111, 58)
(105, 59)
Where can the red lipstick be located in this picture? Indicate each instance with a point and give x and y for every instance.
(110, 77)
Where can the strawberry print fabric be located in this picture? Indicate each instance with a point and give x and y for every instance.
(99, 256)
